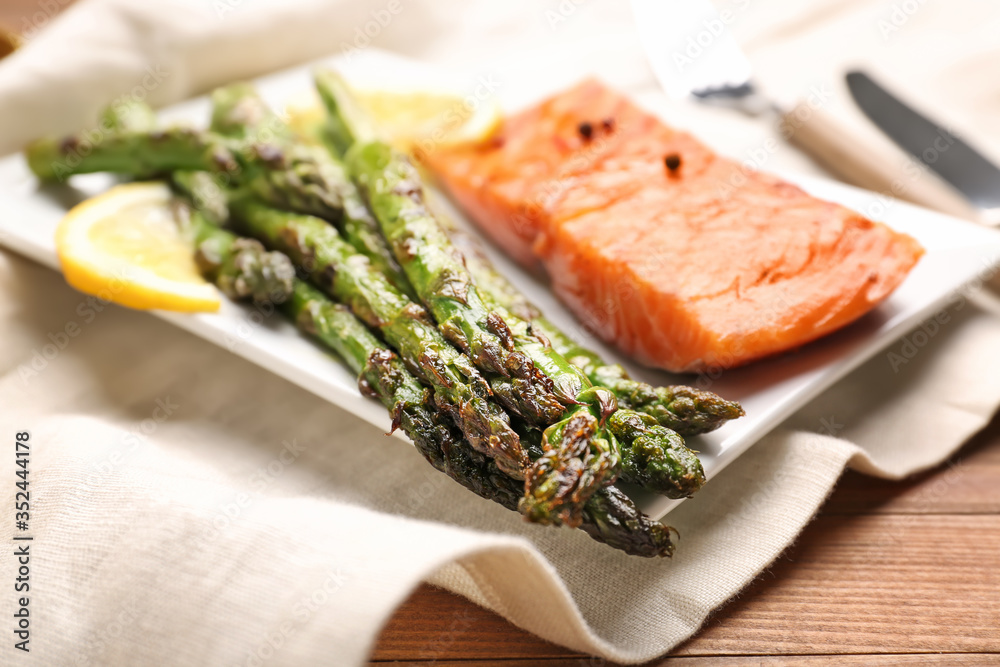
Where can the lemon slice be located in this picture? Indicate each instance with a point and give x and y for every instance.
(125, 246)
(415, 116)
(425, 119)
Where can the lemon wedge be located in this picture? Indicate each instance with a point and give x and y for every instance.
(125, 246)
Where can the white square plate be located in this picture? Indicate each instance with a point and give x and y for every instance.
(958, 253)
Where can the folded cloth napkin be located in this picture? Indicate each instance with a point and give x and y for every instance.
(190, 508)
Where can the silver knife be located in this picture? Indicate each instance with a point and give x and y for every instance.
(958, 163)
(694, 56)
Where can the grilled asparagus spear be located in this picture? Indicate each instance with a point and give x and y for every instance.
(240, 268)
(430, 262)
(239, 112)
(337, 268)
(288, 177)
(654, 456)
(559, 482)
(381, 373)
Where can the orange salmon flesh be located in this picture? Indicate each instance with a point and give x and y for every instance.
(684, 259)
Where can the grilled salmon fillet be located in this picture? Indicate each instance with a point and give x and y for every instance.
(685, 259)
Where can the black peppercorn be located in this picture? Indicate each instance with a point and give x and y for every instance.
(673, 162)
(586, 130)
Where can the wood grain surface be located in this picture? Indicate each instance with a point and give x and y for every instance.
(889, 573)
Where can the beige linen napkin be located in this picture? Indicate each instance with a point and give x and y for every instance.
(190, 508)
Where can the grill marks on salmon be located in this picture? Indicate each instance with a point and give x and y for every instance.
(703, 265)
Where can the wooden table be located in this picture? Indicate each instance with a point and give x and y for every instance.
(934, 588)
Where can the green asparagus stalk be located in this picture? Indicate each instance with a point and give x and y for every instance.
(655, 457)
(289, 177)
(239, 112)
(381, 373)
(393, 191)
(686, 410)
(559, 483)
(210, 200)
(346, 122)
(241, 268)
(610, 516)
(581, 456)
(337, 268)
(136, 153)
